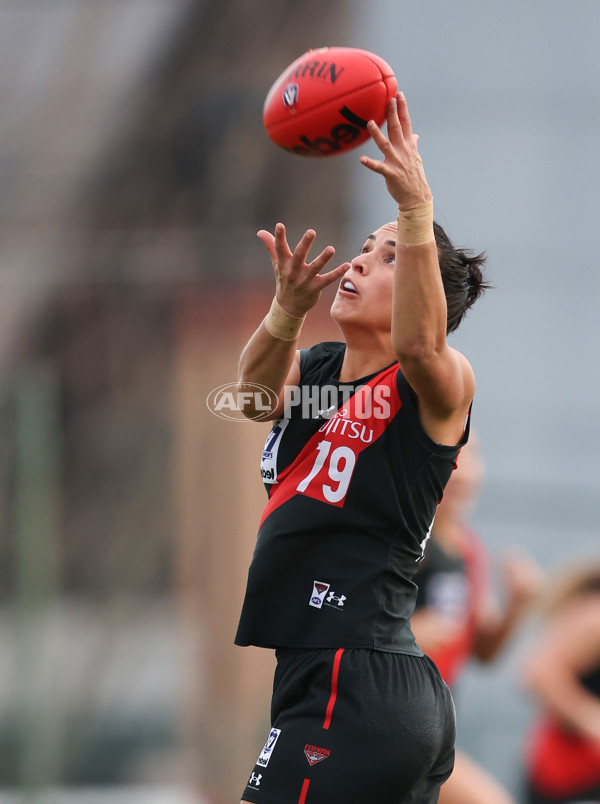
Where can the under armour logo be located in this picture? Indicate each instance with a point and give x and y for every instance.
(255, 779)
(339, 600)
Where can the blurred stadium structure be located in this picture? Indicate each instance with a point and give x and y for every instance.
(134, 174)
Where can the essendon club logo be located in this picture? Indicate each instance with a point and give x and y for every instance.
(318, 594)
(315, 754)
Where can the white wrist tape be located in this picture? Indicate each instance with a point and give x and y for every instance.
(415, 226)
(282, 325)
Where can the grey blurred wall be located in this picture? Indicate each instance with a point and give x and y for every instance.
(506, 99)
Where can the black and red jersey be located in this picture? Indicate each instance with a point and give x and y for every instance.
(353, 483)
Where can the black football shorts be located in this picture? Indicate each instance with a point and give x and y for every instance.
(355, 726)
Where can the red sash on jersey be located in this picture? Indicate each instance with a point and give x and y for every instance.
(324, 467)
(561, 762)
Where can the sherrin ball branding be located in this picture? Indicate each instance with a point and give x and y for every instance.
(321, 104)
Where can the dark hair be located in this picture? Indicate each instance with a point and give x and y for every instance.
(462, 275)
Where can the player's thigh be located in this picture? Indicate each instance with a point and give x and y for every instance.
(471, 784)
(355, 726)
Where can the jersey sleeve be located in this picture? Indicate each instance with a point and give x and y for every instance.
(313, 359)
(409, 401)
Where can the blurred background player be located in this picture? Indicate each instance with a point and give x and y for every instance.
(458, 616)
(562, 670)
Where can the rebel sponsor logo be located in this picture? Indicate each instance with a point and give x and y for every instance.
(267, 752)
(318, 594)
(339, 135)
(314, 754)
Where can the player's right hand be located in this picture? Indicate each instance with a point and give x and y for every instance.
(299, 283)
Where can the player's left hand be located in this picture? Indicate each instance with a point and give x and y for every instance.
(402, 166)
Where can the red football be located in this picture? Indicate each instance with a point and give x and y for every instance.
(320, 105)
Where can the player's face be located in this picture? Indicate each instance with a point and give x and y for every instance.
(364, 295)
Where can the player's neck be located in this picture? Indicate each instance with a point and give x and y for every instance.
(361, 360)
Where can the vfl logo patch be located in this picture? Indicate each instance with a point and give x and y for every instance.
(318, 594)
(315, 754)
(290, 96)
(266, 753)
(268, 463)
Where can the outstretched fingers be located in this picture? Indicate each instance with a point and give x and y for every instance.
(399, 132)
(282, 249)
(301, 251)
(376, 165)
(382, 142)
(296, 262)
(404, 117)
(317, 265)
(334, 275)
(267, 239)
(278, 247)
(379, 138)
(394, 128)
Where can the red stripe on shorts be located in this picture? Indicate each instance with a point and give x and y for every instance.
(304, 791)
(334, 683)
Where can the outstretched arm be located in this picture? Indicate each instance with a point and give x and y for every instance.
(523, 582)
(569, 648)
(270, 357)
(440, 376)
